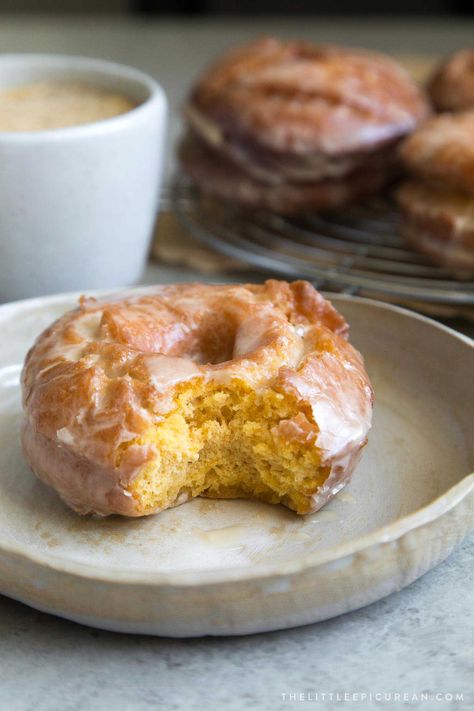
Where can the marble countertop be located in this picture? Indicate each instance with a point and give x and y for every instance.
(419, 640)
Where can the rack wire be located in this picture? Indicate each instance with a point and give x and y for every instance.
(358, 251)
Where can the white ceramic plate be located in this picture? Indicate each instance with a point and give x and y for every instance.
(231, 567)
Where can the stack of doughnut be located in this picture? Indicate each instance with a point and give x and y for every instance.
(437, 201)
(293, 126)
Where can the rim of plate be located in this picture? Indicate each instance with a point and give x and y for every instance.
(200, 578)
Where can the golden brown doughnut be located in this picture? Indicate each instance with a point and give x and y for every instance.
(439, 223)
(140, 402)
(292, 114)
(442, 150)
(222, 178)
(304, 98)
(438, 204)
(452, 86)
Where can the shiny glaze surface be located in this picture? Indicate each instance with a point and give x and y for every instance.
(302, 98)
(438, 202)
(215, 172)
(293, 126)
(101, 375)
(439, 223)
(452, 86)
(442, 151)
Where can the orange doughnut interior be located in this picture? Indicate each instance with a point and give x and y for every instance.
(228, 442)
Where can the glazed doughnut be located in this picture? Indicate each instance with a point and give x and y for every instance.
(137, 403)
(220, 177)
(438, 223)
(452, 85)
(438, 204)
(442, 150)
(304, 99)
(292, 114)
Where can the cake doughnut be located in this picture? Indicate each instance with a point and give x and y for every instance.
(442, 151)
(452, 86)
(437, 202)
(292, 115)
(136, 403)
(438, 223)
(226, 180)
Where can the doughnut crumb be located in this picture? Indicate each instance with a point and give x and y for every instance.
(231, 442)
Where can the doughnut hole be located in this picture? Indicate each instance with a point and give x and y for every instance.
(211, 337)
(215, 338)
(230, 442)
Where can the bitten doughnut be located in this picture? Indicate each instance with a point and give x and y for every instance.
(452, 86)
(296, 116)
(438, 202)
(137, 403)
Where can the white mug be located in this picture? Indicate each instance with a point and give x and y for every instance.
(78, 204)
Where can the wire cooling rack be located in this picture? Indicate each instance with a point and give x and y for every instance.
(358, 251)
